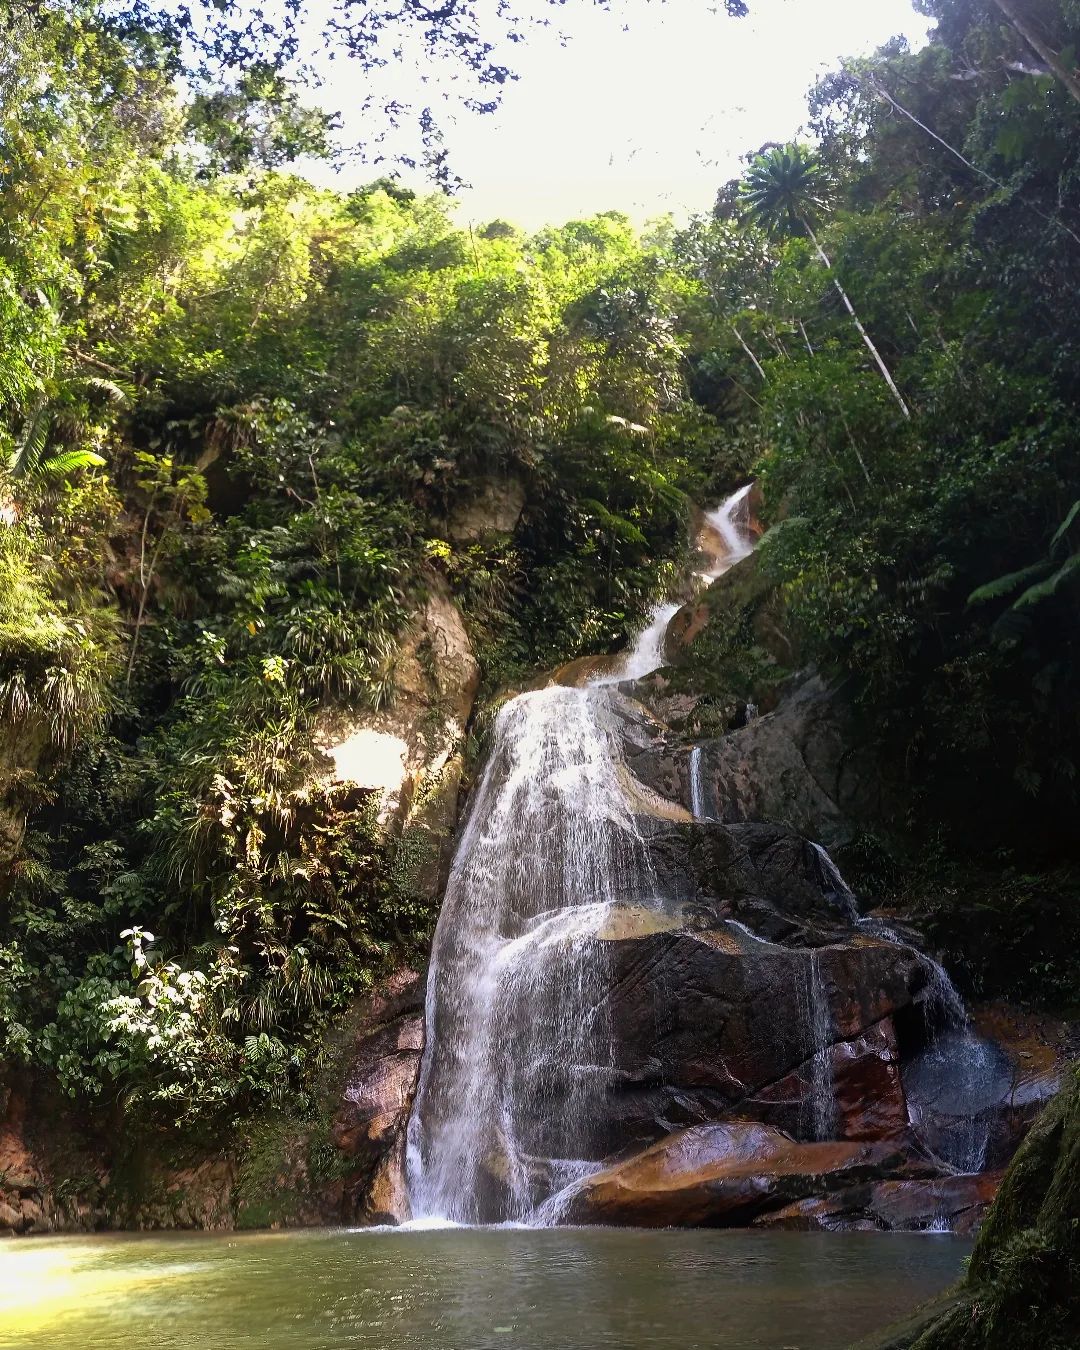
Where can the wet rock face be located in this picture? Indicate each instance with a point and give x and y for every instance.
(713, 1024)
(727, 1175)
(803, 765)
(369, 1127)
(773, 1059)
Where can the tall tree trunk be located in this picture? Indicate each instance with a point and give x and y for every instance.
(1038, 44)
(905, 112)
(756, 363)
(885, 374)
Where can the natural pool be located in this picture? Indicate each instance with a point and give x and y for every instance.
(465, 1289)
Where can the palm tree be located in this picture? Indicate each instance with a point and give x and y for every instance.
(47, 446)
(783, 191)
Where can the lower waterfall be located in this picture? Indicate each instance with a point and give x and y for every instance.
(517, 1106)
(515, 996)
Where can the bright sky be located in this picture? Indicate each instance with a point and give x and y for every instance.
(646, 109)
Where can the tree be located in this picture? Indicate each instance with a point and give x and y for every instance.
(783, 191)
(1028, 28)
(246, 61)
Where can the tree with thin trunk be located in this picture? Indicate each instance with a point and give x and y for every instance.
(783, 192)
(1028, 27)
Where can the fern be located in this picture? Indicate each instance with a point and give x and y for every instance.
(69, 461)
(615, 524)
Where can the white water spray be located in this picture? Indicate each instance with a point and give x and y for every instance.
(518, 1048)
(730, 524)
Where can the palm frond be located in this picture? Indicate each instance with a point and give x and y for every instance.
(1064, 528)
(1034, 595)
(1005, 585)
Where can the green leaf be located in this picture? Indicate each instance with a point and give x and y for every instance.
(58, 466)
(1010, 582)
(1045, 589)
(1063, 529)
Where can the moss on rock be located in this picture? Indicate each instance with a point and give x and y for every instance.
(1022, 1289)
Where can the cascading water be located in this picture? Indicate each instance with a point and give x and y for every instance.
(697, 785)
(648, 651)
(731, 522)
(958, 1072)
(822, 1102)
(519, 1061)
(519, 1049)
(834, 885)
(515, 1012)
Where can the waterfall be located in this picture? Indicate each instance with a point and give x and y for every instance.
(697, 786)
(731, 522)
(822, 1101)
(954, 1074)
(512, 1099)
(956, 1071)
(648, 651)
(520, 1050)
(518, 1043)
(834, 885)
(518, 1047)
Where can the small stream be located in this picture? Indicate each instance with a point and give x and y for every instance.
(466, 1289)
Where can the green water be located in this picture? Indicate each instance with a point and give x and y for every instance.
(467, 1289)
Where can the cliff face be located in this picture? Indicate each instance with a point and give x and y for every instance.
(721, 1061)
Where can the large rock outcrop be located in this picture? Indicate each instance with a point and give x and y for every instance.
(369, 1127)
(776, 1059)
(806, 764)
(412, 751)
(726, 1175)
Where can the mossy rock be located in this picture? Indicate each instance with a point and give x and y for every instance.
(1022, 1289)
(731, 646)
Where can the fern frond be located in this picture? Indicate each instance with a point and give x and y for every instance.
(611, 521)
(58, 466)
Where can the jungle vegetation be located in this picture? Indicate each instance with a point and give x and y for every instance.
(237, 413)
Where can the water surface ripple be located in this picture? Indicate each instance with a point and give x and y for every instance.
(466, 1289)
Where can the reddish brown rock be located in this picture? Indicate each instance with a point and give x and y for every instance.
(369, 1128)
(23, 1190)
(724, 1176)
(955, 1203)
(896, 1205)
(713, 1024)
(867, 1086)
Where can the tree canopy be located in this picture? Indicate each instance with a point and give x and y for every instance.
(238, 414)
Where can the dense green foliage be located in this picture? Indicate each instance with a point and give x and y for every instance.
(241, 416)
(888, 529)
